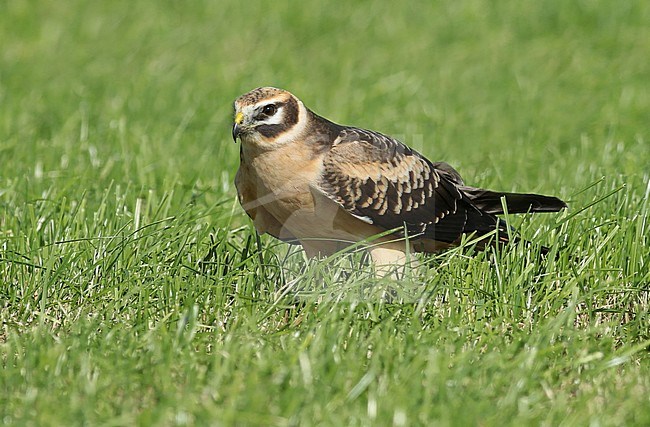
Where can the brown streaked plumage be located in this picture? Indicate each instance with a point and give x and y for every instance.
(306, 180)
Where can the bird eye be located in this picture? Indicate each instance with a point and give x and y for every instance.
(269, 110)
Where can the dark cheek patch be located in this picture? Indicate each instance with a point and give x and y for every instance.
(290, 112)
(271, 131)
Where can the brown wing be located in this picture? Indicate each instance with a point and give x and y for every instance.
(384, 182)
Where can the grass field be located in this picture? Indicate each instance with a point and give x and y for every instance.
(133, 289)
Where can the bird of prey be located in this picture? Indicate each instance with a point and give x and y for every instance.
(306, 180)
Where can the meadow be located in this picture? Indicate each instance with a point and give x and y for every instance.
(134, 290)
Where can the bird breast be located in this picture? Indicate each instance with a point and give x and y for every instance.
(282, 179)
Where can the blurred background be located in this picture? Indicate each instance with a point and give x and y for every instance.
(536, 96)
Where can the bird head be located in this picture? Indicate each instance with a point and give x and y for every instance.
(266, 117)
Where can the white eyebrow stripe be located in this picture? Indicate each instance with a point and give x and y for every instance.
(266, 101)
(275, 119)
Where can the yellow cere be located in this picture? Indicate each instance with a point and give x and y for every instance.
(239, 118)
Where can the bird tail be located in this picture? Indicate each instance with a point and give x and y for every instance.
(489, 202)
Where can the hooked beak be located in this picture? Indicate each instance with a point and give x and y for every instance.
(239, 118)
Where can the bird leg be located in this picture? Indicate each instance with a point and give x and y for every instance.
(391, 259)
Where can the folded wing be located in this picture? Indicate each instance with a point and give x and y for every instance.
(382, 181)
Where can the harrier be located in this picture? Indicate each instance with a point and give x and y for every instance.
(306, 180)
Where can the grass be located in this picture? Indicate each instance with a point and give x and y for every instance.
(134, 290)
